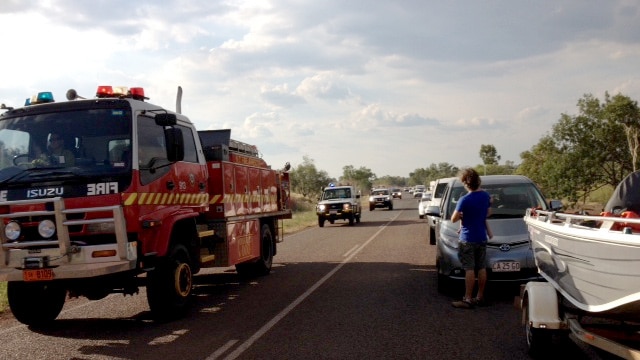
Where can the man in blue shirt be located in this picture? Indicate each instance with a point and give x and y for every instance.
(472, 209)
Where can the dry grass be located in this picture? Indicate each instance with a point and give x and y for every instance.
(3, 297)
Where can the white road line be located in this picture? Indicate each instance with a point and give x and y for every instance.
(266, 327)
(350, 251)
(222, 349)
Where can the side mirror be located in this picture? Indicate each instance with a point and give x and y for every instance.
(433, 211)
(166, 119)
(175, 144)
(555, 205)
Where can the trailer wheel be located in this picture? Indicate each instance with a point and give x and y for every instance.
(538, 340)
(170, 285)
(263, 265)
(35, 303)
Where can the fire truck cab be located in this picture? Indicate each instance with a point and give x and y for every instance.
(95, 193)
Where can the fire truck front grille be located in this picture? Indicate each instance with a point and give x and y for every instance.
(29, 225)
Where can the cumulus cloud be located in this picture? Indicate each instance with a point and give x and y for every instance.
(315, 75)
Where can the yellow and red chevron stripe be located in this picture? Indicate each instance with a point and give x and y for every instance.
(164, 199)
(245, 198)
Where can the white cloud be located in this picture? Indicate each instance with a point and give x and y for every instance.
(298, 78)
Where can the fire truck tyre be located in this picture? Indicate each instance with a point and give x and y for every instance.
(263, 265)
(320, 221)
(170, 285)
(352, 219)
(539, 341)
(35, 303)
(371, 207)
(358, 218)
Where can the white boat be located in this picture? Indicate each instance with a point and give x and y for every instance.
(592, 261)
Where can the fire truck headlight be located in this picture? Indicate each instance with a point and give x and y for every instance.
(321, 208)
(12, 231)
(46, 228)
(346, 206)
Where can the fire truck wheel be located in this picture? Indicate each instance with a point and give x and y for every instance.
(170, 285)
(352, 219)
(263, 265)
(35, 303)
(320, 221)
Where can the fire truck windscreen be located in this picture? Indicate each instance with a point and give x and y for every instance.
(85, 141)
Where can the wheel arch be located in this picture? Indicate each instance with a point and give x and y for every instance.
(184, 232)
(540, 299)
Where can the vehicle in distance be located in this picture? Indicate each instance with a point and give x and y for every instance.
(396, 193)
(509, 255)
(338, 203)
(418, 195)
(439, 188)
(423, 203)
(380, 198)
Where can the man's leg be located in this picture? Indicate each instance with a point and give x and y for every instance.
(482, 282)
(469, 283)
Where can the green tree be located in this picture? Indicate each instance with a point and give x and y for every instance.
(584, 152)
(489, 156)
(362, 178)
(624, 111)
(423, 176)
(307, 180)
(538, 162)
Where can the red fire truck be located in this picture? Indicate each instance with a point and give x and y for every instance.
(104, 195)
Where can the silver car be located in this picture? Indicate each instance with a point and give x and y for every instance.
(423, 202)
(509, 256)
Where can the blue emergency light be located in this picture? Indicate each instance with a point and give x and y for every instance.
(41, 98)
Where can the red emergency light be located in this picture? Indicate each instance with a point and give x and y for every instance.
(137, 93)
(105, 91)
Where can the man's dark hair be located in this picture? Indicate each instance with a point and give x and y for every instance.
(470, 178)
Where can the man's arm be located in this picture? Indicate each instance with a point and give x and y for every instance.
(457, 215)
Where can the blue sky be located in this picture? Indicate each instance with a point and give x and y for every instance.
(388, 85)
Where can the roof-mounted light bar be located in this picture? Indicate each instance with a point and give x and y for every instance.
(106, 91)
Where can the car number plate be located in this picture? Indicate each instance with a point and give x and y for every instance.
(506, 266)
(37, 275)
(333, 211)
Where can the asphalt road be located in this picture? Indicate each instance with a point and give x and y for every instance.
(340, 292)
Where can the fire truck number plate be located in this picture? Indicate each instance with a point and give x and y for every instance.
(37, 275)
